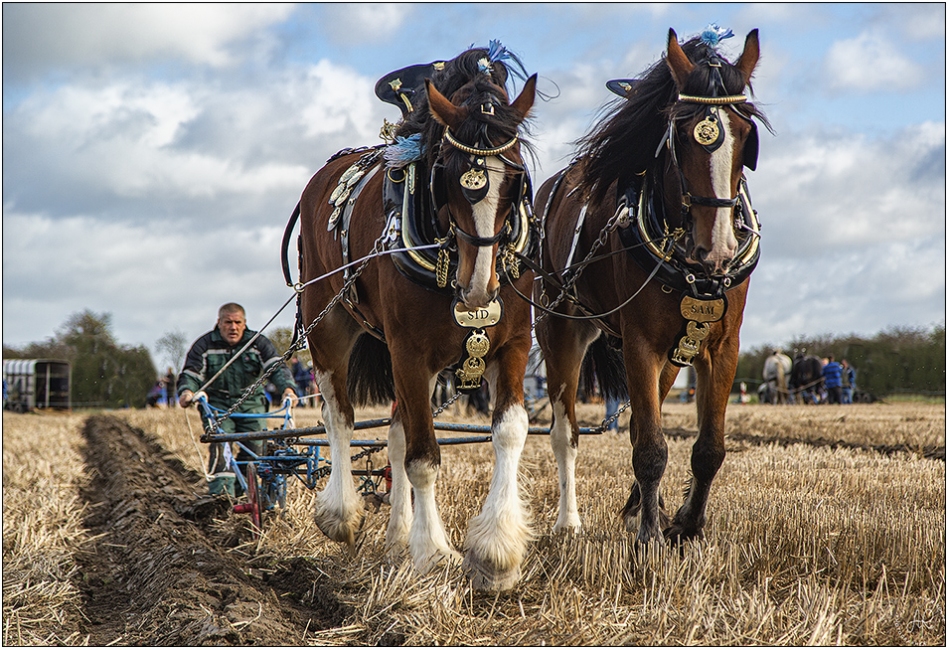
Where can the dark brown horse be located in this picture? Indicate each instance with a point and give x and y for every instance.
(453, 175)
(649, 241)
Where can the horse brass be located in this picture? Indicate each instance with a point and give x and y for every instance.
(474, 179)
(689, 344)
(470, 373)
(706, 132)
(702, 311)
(478, 318)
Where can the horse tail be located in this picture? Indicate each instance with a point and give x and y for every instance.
(370, 379)
(603, 363)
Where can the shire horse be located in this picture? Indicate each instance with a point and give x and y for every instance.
(391, 334)
(649, 241)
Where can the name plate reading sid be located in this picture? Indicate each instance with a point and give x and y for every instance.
(478, 318)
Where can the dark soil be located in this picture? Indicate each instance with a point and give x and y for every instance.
(161, 572)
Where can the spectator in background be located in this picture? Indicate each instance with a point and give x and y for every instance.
(169, 388)
(832, 380)
(848, 382)
(302, 378)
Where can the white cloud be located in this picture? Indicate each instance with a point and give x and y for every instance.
(869, 62)
(36, 36)
(362, 22)
(153, 279)
(822, 191)
(162, 142)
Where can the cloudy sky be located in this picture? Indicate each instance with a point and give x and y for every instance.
(153, 153)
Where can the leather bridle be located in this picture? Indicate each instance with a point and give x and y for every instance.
(480, 154)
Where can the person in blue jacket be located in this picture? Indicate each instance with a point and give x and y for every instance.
(832, 380)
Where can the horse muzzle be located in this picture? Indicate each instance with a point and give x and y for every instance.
(474, 299)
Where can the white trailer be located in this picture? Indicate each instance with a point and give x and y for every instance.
(36, 383)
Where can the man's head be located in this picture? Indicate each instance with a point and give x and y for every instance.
(232, 322)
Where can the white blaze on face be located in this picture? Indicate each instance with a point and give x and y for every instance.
(724, 244)
(484, 213)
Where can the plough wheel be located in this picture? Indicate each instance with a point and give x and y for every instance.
(252, 507)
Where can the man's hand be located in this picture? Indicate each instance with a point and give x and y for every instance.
(185, 398)
(291, 395)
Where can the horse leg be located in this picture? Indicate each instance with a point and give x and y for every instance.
(400, 496)
(497, 537)
(715, 371)
(564, 345)
(338, 507)
(428, 542)
(644, 509)
(666, 379)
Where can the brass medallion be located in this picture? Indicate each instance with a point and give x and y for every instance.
(339, 189)
(478, 318)
(698, 315)
(350, 172)
(706, 132)
(355, 178)
(341, 199)
(470, 373)
(474, 179)
(334, 218)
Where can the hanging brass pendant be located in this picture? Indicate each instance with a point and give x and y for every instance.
(471, 371)
(706, 132)
(474, 179)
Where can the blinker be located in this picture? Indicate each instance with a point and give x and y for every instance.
(474, 182)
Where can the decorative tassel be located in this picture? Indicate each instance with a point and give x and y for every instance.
(404, 151)
(713, 35)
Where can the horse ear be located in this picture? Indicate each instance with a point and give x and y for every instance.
(525, 101)
(444, 112)
(749, 57)
(678, 62)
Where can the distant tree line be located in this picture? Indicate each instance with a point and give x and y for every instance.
(897, 360)
(105, 374)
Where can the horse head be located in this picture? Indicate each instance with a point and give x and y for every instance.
(478, 177)
(710, 138)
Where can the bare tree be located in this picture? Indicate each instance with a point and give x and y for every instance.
(173, 346)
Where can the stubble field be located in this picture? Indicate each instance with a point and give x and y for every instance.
(827, 525)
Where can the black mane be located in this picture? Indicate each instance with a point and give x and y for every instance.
(626, 140)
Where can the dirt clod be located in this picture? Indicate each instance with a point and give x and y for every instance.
(155, 573)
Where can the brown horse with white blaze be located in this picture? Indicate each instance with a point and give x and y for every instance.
(649, 241)
(391, 334)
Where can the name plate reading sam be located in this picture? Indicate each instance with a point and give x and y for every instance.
(478, 318)
(702, 311)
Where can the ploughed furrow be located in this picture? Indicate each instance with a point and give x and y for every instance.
(154, 576)
(932, 452)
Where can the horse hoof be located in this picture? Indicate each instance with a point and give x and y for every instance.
(569, 528)
(438, 558)
(676, 534)
(487, 578)
(334, 526)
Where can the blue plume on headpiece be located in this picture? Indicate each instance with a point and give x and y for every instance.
(714, 34)
(497, 52)
(403, 151)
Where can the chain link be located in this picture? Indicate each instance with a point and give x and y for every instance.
(301, 340)
(574, 277)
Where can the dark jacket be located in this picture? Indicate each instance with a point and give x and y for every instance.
(209, 354)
